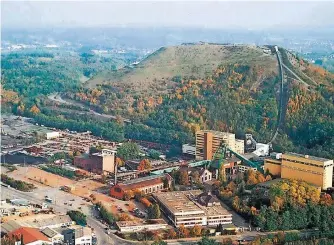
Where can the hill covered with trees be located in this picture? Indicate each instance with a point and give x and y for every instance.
(178, 90)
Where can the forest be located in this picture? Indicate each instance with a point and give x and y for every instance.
(285, 205)
(239, 98)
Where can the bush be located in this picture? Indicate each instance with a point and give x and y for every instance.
(17, 184)
(78, 217)
(59, 171)
(106, 215)
(145, 202)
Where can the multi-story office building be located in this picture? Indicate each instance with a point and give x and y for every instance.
(191, 208)
(314, 170)
(208, 141)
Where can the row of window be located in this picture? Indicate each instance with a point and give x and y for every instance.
(304, 163)
(302, 170)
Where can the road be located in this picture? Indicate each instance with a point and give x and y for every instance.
(56, 97)
(59, 207)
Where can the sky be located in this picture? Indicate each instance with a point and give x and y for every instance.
(203, 14)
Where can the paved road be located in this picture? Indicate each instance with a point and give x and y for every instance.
(99, 228)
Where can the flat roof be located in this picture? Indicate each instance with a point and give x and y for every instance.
(184, 203)
(218, 133)
(138, 180)
(307, 156)
(36, 221)
(49, 232)
(138, 223)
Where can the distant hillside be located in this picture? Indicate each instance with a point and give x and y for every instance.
(222, 87)
(158, 72)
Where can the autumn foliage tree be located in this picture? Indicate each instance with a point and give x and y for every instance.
(34, 109)
(196, 230)
(171, 234)
(183, 231)
(183, 177)
(144, 164)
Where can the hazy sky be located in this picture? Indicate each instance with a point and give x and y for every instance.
(253, 15)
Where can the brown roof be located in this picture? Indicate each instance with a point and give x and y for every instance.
(142, 184)
(29, 235)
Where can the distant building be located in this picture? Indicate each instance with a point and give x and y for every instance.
(78, 236)
(191, 208)
(37, 221)
(52, 135)
(29, 236)
(55, 237)
(208, 141)
(99, 163)
(147, 185)
(204, 175)
(314, 170)
(189, 149)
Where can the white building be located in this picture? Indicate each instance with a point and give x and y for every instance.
(52, 135)
(134, 226)
(189, 149)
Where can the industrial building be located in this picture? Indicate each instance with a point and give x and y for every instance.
(147, 185)
(191, 208)
(314, 170)
(208, 141)
(98, 163)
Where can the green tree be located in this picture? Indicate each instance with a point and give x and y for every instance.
(154, 154)
(154, 211)
(208, 241)
(128, 150)
(78, 217)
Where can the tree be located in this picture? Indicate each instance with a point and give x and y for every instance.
(78, 217)
(196, 230)
(128, 150)
(195, 176)
(183, 177)
(138, 194)
(119, 162)
(208, 241)
(154, 154)
(171, 234)
(144, 164)
(107, 216)
(183, 231)
(154, 211)
(34, 109)
(128, 195)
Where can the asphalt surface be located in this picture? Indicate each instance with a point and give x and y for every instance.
(60, 207)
